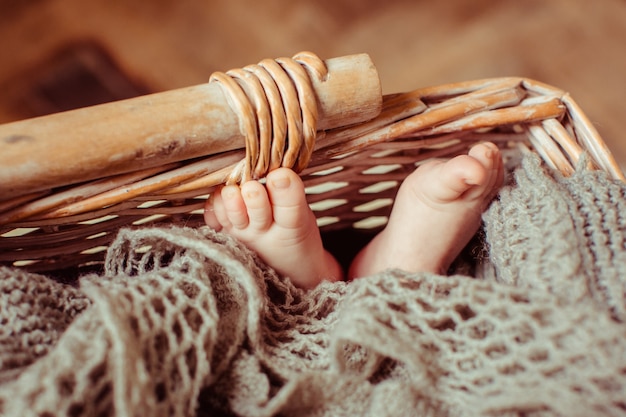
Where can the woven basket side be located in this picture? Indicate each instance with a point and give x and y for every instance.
(351, 179)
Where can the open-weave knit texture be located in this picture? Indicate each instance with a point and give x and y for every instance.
(189, 322)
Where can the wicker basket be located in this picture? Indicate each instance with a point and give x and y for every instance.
(352, 147)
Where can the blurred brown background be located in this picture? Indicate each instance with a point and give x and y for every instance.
(60, 54)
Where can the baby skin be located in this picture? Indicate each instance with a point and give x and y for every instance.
(436, 212)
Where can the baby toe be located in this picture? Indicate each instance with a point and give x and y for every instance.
(287, 197)
(258, 205)
(489, 156)
(210, 214)
(486, 153)
(454, 179)
(234, 207)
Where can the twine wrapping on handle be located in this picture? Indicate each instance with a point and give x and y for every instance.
(278, 113)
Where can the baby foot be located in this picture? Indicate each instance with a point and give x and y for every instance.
(275, 221)
(436, 212)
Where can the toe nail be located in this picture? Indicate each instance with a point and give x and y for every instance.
(228, 192)
(282, 182)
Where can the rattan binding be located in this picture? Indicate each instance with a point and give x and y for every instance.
(351, 173)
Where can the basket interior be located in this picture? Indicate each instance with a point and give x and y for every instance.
(351, 180)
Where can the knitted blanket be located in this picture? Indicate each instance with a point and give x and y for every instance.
(189, 322)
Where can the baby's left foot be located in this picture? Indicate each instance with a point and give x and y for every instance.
(435, 214)
(276, 222)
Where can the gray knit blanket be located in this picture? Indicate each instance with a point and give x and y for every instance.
(189, 322)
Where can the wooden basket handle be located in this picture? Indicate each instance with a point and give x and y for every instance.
(154, 130)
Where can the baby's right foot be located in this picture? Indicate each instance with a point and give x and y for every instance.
(276, 222)
(437, 211)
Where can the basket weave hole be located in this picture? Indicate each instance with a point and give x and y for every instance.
(101, 219)
(151, 203)
(373, 205)
(149, 219)
(326, 187)
(327, 221)
(25, 262)
(371, 222)
(382, 169)
(93, 250)
(96, 236)
(378, 187)
(327, 204)
(328, 171)
(19, 231)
